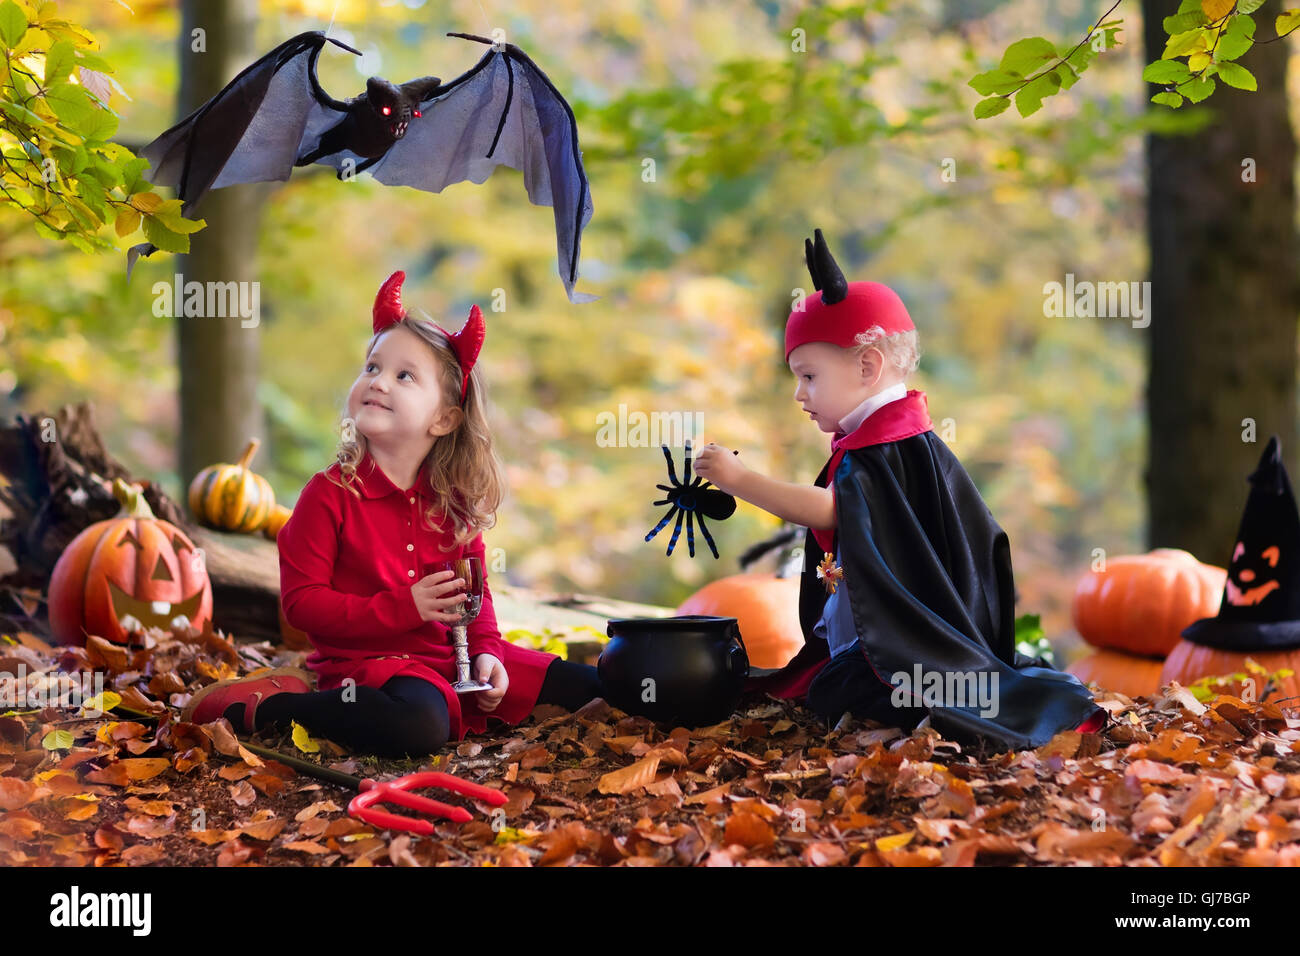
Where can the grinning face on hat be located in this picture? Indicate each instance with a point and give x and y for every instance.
(1257, 575)
(829, 383)
(398, 399)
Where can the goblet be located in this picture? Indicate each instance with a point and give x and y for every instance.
(470, 570)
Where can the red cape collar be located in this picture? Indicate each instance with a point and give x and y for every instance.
(893, 421)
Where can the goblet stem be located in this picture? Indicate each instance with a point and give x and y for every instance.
(460, 642)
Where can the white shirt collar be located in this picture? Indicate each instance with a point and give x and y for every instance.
(854, 419)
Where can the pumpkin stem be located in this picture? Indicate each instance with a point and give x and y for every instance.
(249, 452)
(132, 499)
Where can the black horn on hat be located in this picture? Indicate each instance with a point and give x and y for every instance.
(826, 275)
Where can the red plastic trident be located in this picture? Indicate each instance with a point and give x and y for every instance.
(395, 791)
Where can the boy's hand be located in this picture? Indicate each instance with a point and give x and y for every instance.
(489, 668)
(720, 466)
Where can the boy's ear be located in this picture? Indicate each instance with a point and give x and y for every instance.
(873, 364)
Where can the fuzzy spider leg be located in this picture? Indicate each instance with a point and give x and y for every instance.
(660, 526)
(690, 532)
(677, 529)
(707, 537)
(672, 472)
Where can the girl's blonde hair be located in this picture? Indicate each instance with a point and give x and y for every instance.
(900, 349)
(466, 478)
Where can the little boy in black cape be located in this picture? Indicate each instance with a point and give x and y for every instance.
(907, 597)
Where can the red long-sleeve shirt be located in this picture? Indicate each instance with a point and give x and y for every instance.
(347, 564)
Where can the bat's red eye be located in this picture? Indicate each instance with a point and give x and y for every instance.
(387, 111)
(417, 112)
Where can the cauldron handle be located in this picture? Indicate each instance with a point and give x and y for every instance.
(736, 657)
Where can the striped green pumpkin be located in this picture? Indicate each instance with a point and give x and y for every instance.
(232, 497)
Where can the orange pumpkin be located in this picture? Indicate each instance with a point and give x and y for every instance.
(766, 609)
(279, 516)
(1189, 662)
(1129, 674)
(232, 497)
(1140, 603)
(132, 564)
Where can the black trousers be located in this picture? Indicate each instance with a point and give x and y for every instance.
(848, 683)
(405, 717)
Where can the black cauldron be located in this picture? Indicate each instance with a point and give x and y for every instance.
(688, 670)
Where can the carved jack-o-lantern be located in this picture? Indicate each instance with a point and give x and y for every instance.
(132, 565)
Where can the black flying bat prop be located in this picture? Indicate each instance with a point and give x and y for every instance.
(692, 500)
(274, 116)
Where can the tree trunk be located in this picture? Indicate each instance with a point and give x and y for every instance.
(1225, 301)
(218, 355)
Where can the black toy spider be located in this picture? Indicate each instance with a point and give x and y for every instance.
(691, 500)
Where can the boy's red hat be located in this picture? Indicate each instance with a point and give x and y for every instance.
(839, 310)
(466, 343)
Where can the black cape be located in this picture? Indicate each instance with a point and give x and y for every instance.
(927, 572)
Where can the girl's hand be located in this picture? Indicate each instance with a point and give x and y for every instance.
(489, 668)
(720, 466)
(436, 597)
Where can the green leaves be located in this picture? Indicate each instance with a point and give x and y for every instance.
(1211, 34)
(59, 62)
(1198, 89)
(1234, 74)
(991, 107)
(1031, 70)
(55, 124)
(1189, 21)
(996, 82)
(1027, 56)
(13, 24)
(1029, 98)
(1180, 44)
(1031, 640)
(1236, 39)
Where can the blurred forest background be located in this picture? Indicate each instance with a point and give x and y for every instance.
(695, 268)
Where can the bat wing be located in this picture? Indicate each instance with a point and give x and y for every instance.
(249, 132)
(502, 112)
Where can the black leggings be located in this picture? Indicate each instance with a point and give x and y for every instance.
(408, 715)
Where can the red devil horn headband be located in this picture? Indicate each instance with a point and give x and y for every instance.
(466, 343)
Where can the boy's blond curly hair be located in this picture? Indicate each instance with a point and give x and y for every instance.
(902, 349)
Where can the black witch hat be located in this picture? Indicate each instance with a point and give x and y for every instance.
(1261, 598)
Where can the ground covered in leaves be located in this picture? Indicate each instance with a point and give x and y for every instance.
(1171, 781)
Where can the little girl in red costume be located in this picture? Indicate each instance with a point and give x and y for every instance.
(416, 482)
